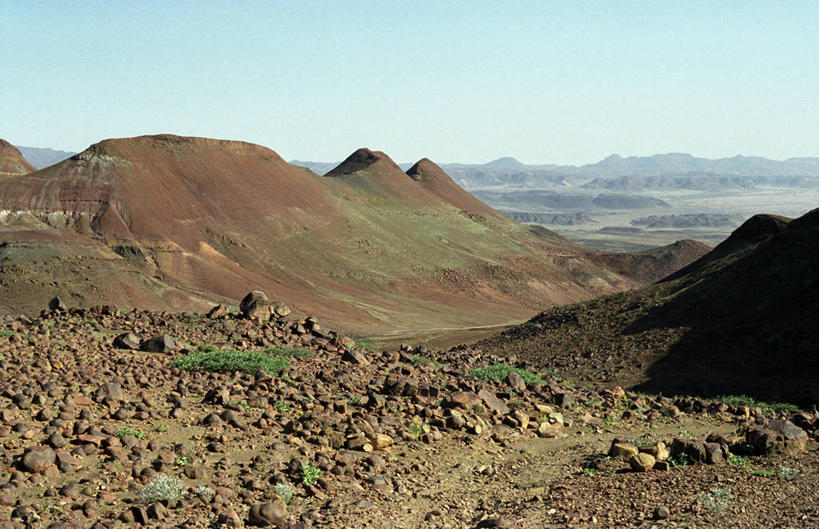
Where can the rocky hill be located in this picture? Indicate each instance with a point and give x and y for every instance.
(368, 246)
(739, 320)
(652, 265)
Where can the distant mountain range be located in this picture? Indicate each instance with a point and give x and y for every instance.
(614, 173)
(41, 157)
(660, 171)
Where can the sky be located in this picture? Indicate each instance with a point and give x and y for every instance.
(546, 82)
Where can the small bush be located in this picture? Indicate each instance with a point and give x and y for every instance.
(787, 473)
(715, 500)
(162, 488)
(501, 371)
(182, 461)
(204, 492)
(740, 461)
(230, 360)
(284, 491)
(130, 431)
(310, 474)
(764, 473)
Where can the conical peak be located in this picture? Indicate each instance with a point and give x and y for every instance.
(424, 169)
(362, 159)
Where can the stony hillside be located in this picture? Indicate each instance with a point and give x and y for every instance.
(167, 222)
(738, 320)
(114, 419)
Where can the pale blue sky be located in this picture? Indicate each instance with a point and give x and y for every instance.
(563, 82)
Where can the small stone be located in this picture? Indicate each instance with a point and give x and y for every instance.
(661, 513)
(642, 462)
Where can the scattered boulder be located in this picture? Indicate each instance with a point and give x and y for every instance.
(219, 311)
(109, 390)
(256, 306)
(780, 435)
(128, 340)
(642, 462)
(622, 450)
(158, 344)
(37, 459)
(57, 304)
(268, 514)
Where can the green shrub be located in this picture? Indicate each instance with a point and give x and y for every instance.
(291, 352)
(740, 461)
(310, 474)
(230, 360)
(130, 431)
(182, 461)
(501, 371)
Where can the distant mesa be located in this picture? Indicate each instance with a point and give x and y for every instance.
(12, 161)
(688, 220)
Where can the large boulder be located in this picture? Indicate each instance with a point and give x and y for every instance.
(158, 344)
(256, 306)
(781, 435)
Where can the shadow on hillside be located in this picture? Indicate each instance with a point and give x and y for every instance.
(753, 327)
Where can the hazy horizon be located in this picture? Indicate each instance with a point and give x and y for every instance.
(545, 83)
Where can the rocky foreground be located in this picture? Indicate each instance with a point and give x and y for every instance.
(120, 419)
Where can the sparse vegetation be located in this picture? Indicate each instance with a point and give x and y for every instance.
(501, 371)
(182, 461)
(284, 491)
(424, 359)
(208, 358)
(162, 488)
(716, 499)
(768, 407)
(204, 492)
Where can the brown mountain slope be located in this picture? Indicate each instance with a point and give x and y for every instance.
(11, 161)
(741, 322)
(366, 247)
(655, 264)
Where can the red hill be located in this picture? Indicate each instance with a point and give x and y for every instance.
(367, 247)
(11, 161)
